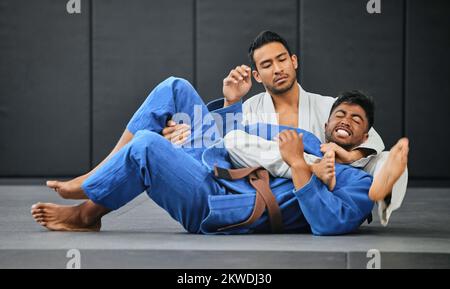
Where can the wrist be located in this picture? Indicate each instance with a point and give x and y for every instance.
(354, 155)
(299, 163)
(228, 103)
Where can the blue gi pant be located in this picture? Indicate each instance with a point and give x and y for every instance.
(174, 177)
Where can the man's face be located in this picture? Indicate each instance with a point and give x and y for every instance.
(347, 126)
(275, 68)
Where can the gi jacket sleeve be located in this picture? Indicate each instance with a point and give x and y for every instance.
(227, 118)
(340, 211)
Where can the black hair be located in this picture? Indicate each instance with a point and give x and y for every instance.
(262, 39)
(359, 98)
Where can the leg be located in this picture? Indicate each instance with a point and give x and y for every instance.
(85, 217)
(72, 189)
(391, 171)
(172, 178)
(171, 97)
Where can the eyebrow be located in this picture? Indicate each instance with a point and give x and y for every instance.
(269, 60)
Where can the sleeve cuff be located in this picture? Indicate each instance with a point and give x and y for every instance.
(309, 189)
(217, 107)
(215, 104)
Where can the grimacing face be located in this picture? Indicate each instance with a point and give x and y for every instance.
(347, 126)
(275, 68)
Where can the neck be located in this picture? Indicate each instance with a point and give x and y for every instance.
(347, 147)
(289, 98)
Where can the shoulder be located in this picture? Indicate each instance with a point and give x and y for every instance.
(253, 102)
(319, 99)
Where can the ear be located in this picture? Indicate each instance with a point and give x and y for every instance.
(326, 125)
(294, 60)
(366, 136)
(256, 76)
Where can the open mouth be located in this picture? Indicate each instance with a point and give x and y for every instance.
(343, 132)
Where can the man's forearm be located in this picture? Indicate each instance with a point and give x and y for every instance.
(301, 174)
(359, 153)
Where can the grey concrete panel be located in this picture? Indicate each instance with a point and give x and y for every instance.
(44, 88)
(343, 47)
(428, 87)
(225, 30)
(136, 45)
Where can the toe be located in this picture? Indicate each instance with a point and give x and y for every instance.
(35, 206)
(53, 184)
(37, 213)
(39, 220)
(402, 144)
(405, 149)
(405, 141)
(38, 206)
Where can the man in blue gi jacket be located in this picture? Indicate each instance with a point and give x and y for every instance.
(180, 180)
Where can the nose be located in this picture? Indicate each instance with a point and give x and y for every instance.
(277, 68)
(344, 122)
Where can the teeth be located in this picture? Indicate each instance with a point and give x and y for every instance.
(342, 132)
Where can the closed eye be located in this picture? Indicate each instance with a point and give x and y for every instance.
(357, 119)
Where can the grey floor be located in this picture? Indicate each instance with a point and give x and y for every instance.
(141, 235)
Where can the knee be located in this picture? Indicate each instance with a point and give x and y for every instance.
(145, 140)
(178, 83)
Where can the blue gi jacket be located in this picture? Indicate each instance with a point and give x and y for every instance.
(312, 208)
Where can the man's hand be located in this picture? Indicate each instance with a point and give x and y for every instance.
(291, 147)
(342, 156)
(237, 84)
(176, 133)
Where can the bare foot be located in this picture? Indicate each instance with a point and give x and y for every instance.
(391, 171)
(70, 189)
(80, 218)
(325, 170)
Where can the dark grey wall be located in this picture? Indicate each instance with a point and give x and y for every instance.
(44, 89)
(69, 83)
(225, 30)
(343, 48)
(427, 85)
(136, 44)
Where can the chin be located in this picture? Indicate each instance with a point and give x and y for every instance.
(285, 87)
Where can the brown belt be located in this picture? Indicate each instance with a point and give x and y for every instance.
(259, 179)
